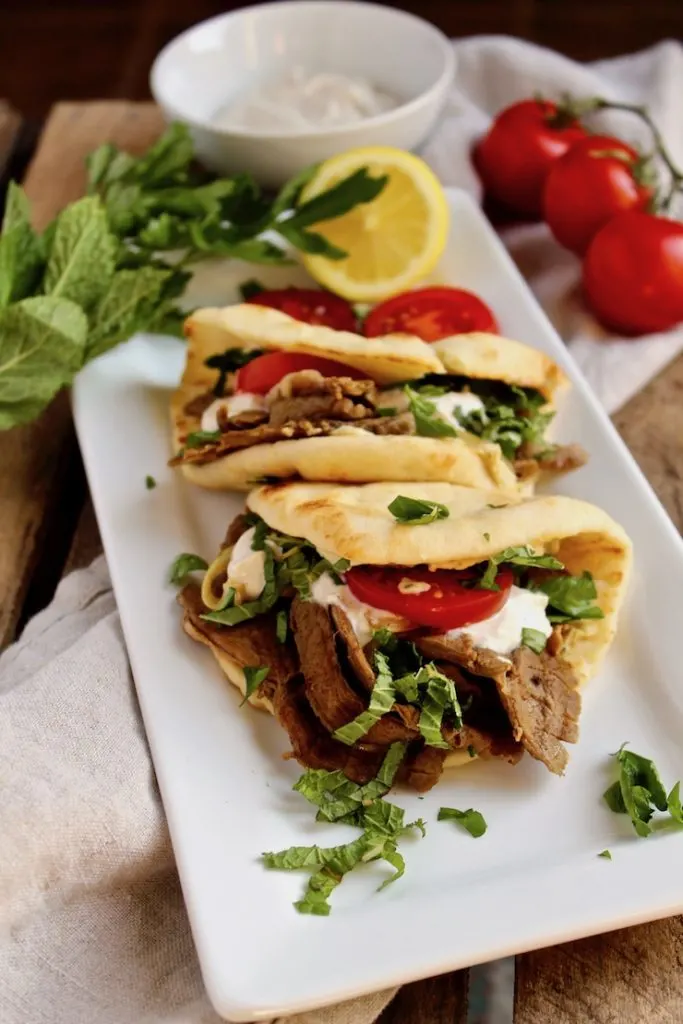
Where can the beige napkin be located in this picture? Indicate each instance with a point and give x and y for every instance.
(94, 926)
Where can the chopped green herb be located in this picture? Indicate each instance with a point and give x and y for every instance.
(281, 626)
(534, 639)
(639, 791)
(248, 289)
(428, 423)
(471, 820)
(150, 483)
(487, 536)
(673, 804)
(381, 701)
(471, 751)
(606, 854)
(228, 362)
(417, 512)
(496, 506)
(386, 410)
(253, 677)
(570, 597)
(185, 564)
(511, 417)
(519, 556)
(198, 438)
(440, 698)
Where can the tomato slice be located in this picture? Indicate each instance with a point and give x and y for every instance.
(264, 372)
(431, 314)
(446, 605)
(310, 306)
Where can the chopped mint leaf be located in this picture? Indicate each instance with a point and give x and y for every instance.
(673, 803)
(150, 482)
(534, 639)
(471, 820)
(519, 556)
(427, 421)
(197, 438)
(281, 626)
(320, 887)
(386, 410)
(253, 677)
(185, 564)
(417, 512)
(571, 597)
(638, 792)
(471, 751)
(440, 698)
(606, 854)
(228, 362)
(381, 701)
(248, 289)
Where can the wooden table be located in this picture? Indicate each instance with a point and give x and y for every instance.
(48, 528)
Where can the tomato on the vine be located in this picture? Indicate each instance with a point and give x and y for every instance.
(431, 313)
(633, 273)
(514, 157)
(598, 178)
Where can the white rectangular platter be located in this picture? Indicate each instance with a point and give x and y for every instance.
(535, 878)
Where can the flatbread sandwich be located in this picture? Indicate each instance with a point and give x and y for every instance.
(265, 397)
(459, 622)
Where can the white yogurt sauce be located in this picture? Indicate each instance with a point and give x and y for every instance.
(363, 617)
(302, 101)
(233, 405)
(463, 402)
(502, 632)
(246, 568)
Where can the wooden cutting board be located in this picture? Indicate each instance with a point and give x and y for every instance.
(47, 527)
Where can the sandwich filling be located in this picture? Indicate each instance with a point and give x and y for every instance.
(261, 398)
(453, 663)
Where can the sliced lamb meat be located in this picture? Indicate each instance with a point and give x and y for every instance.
(308, 395)
(246, 420)
(250, 643)
(540, 696)
(233, 440)
(362, 668)
(312, 745)
(328, 691)
(483, 744)
(461, 650)
(422, 768)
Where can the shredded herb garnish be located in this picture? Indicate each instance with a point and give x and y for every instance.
(639, 792)
(417, 511)
(185, 564)
(472, 821)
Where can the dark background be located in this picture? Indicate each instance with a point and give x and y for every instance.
(95, 49)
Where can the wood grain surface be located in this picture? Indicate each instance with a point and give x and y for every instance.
(40, 487)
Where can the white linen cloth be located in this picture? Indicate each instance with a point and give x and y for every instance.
(92, 923)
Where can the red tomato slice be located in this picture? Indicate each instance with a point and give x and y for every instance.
(310, 306)
(264, 372)
(431, 314)
(446, 605)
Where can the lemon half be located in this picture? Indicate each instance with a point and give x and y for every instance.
(393, 241)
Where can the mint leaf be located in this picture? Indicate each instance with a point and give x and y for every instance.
(439, 698)
(519, 556)
(128, 306)
(253, 677)
(281, 626)
(673, 804)
(381, 701)
(606, 854)
(417, 512)
(183, 565)
(150, 483)
(197, 438)
(534, 639)
(571, 597)
(318, 891)
(82, 257)
(638, 792)
(428, 423)
(41, 348)
(21, 249)
(167, 161)
(472, 821)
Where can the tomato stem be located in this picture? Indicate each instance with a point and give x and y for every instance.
(675, 173)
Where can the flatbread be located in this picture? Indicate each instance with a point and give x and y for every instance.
(355, 523)
(491, 357)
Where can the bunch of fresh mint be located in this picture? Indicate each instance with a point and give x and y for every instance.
(115, 262)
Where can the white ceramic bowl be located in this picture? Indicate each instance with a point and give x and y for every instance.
(203, 69)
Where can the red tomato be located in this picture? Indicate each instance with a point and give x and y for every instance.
(588, 186)
(310, 306)
(513, 159)
(446, 605)
(633, 273)
(431, 314)
(264, 372)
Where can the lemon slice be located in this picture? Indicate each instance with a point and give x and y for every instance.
(391, 242)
